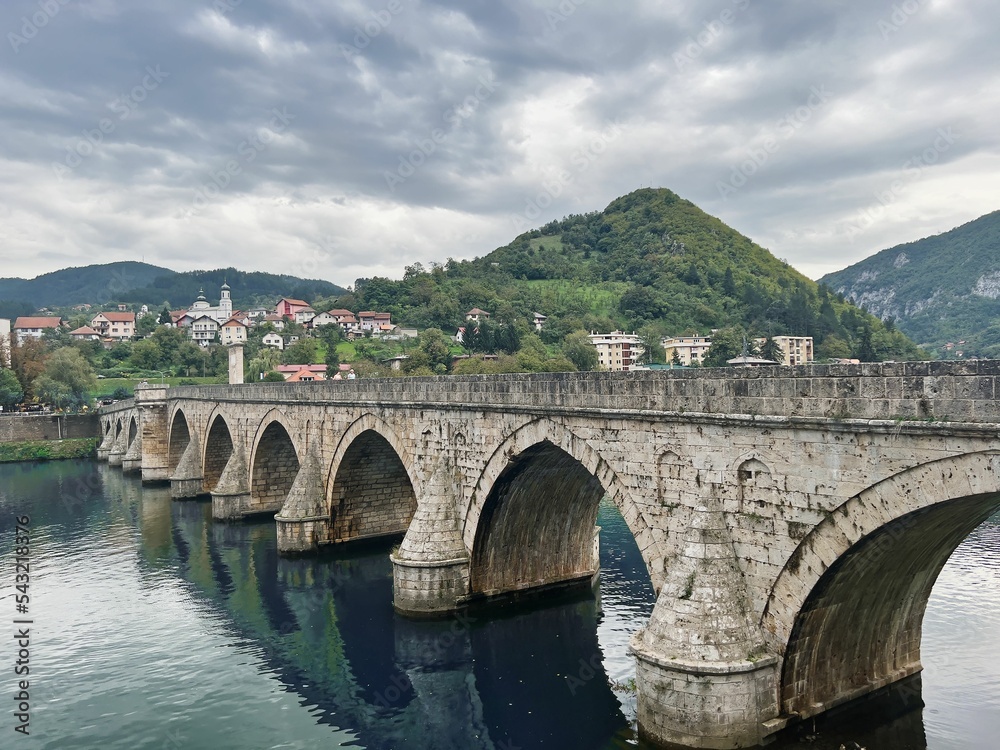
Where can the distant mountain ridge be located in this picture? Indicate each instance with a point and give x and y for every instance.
(95, 284)
(940, 290)
(141, 283)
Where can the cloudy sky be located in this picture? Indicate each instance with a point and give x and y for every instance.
(344, 138)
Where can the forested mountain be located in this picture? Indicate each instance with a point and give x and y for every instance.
(940, 290)
(650, 261)
(141, 283)
(97, 284)
(178, 290)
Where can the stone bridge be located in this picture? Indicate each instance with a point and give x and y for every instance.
(793, 520)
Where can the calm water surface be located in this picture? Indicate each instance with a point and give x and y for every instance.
(156, 628)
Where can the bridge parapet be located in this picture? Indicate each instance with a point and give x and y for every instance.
(941, 391)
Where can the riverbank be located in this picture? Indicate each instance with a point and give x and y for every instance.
(47, 450)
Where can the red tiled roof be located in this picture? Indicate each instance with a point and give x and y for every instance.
(84, 331)
(291, 301)
(296, 368)
(37, 322)
(118, 317)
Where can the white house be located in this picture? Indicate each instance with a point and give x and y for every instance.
(114, 325)
(233, 331)
(204, 330)
(476, 315)
(32, 327)
(85, 333)
(273, 340)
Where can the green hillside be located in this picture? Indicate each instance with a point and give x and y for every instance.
(939, 289)
(141, 283)
(650, 261)
(249, 288)
(97, 284)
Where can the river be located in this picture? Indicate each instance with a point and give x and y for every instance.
(153, 627)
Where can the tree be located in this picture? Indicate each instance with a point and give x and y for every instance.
(305, 351)
(727, 343)
(67, 380)
(579, 350)
(11, 392)
(772, 351)
(273, 377)
(434, 346)
(164, 318)
(146, 325)
(27, 360)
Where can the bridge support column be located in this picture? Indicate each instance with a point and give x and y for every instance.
(151, 403)
(703, 677)
(231, 496)
(132, 460)
(187, 479)
(117, 452)
(431, 568)
(304, 520)
(106, 444)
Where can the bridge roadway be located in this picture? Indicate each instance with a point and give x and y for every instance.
(793, 519)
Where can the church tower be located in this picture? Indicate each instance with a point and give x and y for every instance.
(225, 304)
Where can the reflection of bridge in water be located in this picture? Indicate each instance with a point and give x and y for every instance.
(327, 630)
(793, 521)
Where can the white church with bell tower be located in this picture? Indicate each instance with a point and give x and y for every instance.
(220, 313)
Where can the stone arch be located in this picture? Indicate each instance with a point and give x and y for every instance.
(847, 610)
(516, 542)
(274, 463)
(133, 428)
(178, 438)
(370, 488)
(217, 451)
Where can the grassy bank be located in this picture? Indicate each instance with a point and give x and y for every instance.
(47, 450)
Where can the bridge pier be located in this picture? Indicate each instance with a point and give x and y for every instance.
(303, 522)
(106, 444)
(117, 452)
(231, 494)
(703, 676)
(132, 460)
(431, 569)
(151, 403)
(187, 479)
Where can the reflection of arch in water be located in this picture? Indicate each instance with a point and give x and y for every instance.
(847, 610)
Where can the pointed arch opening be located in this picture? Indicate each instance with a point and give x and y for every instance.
(133, 429)
(847, 611)
(218, 449)
(178, 441)
(275, 464)
(371, 494)
(537, 525)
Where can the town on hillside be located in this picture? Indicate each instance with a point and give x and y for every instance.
(67, 359)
